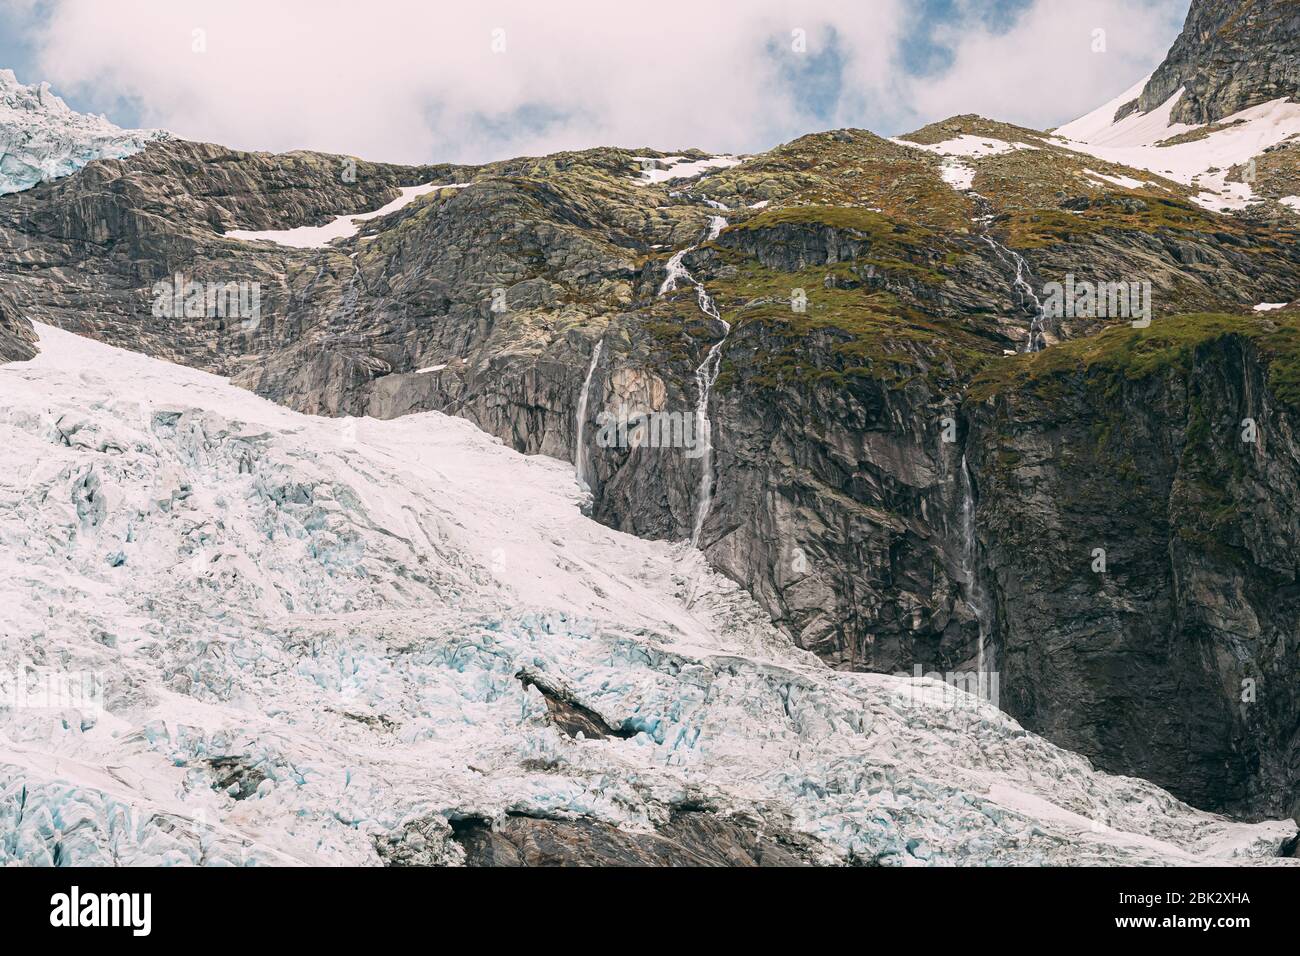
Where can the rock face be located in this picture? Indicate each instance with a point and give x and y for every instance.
(689, 839)
(1136, 503)
(17, 341)
(1229, 57)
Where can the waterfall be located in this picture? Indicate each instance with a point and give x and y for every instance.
(580, 455)
(974, 595)
(675, 271)
(707, 374)
(1023, 289)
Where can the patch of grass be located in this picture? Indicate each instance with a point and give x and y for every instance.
(868, 222)
(857, 333)
(1141, 211)
(1125, 353)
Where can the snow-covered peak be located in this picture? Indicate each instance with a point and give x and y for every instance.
(42, 138)
(1197, 156)
(1089, 127)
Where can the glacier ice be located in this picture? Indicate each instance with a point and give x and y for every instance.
(308, 634)
(41, 138)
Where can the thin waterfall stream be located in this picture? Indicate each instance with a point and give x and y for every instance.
(973, 593)
(581, 460)
(707, 372)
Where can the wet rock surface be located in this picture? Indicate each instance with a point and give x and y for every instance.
(1140, 538)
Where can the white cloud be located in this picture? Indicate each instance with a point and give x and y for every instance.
(419, 81)
(1046, 70)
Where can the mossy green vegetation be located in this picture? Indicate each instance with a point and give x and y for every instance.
(1125, 353)
(1140, 210)
(869, 222)
(842, 333)
(853, 169)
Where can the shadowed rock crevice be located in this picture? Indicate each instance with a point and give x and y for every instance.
(569, 715)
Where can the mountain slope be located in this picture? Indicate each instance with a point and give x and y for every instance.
(359, 642)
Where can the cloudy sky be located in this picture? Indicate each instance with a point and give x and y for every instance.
(430, 81)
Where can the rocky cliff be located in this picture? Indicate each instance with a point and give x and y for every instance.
(1137, 517)
(1229, 57)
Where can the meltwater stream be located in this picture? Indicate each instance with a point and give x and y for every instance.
(705, 376)
(969, 568)
(1024, 289)
(580, 458)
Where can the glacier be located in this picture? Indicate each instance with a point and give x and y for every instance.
(308, 634)
(42, 138)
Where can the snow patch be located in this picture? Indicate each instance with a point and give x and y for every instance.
(957, 175)
(966, 145)
(342, 227)
(961, 176)
(679, 167)
(1126, 182)
(1203, 163)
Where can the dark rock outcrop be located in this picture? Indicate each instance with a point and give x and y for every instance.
(1137, 517)
(690, 838)
(17, 339)
(1229, 57)
(568, 714)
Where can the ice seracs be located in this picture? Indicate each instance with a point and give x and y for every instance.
(41, 138)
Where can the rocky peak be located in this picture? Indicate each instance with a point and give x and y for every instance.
(1231, 55)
